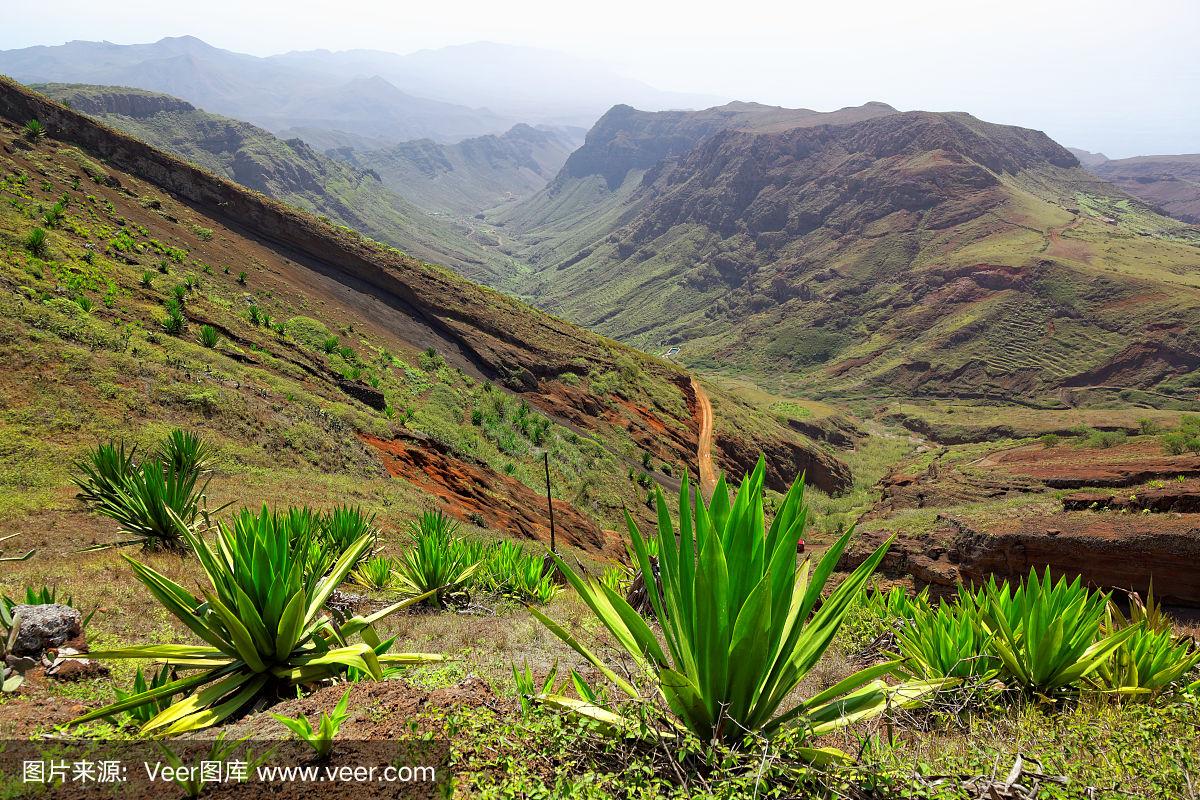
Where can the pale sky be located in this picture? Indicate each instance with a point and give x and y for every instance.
(1118, 77)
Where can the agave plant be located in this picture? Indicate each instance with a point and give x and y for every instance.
(1048, 635)
(374, 573)
(433, 568)
(1146, 663)
(144, 713)
(509, 570)
(184, 452)
(949, 641)
(149, 500)
(262, 626)
(740, 620)
(342, 526)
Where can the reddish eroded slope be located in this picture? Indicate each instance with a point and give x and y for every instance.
(503, 503)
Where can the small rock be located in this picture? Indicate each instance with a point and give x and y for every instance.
(1053, 532)
(45, 627)
(76, 669)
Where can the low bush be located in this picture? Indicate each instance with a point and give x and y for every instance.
(208, 336)
(36, 242)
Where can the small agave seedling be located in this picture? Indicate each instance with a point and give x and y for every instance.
(321, 738)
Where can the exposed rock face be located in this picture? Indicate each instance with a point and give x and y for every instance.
(363, 393)
(786, 461)
(45, 627)
(1110, 551)
(504, 503)
(117, 100)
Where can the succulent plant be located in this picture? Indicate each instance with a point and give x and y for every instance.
(10, 677)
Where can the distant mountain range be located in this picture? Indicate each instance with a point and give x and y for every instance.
(864, 250)
(291, 171)
(1169, 183)
(472, 175)
(356, 98)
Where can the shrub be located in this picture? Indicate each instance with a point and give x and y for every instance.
(147, 279)
(262, 625)
(254, 314)
(1049, 439)
(208, 336)
(1148, 427)
(241, 278)
(36, 243)
(1102, 439)
(330, 345)
(1175, 443)
(740, 621)
(34, 130)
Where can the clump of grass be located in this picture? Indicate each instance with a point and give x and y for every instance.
(174, 322)
(147, 280)
(241, 278)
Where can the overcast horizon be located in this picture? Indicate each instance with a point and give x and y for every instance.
(1091, 75)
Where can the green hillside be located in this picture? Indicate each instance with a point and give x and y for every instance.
(911, 253)
(287, 170)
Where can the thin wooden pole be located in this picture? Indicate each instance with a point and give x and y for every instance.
(549, 501)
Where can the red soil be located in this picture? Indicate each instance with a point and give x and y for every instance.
(505, 503)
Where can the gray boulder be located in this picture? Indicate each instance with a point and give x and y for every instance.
(45, 627)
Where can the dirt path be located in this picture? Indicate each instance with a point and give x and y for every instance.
(704, 459)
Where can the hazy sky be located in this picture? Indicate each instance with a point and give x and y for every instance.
(1121, 77)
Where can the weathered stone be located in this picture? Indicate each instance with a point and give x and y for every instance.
(44, 627)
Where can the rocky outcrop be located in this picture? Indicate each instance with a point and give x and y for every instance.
(1110, 551)
(786, 461)
(45, 627)
(98, 100)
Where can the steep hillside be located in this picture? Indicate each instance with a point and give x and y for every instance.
(336, 363)
(907, 253)
(290, 171)
(1169, 183)
(472, 175)
(276, 95)
(595, 190)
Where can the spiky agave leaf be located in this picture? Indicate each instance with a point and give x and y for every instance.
(261, 622)
(739, 620)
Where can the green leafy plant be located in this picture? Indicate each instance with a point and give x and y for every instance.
(36, 242)
(330, 345)
(341, 526)
(433, 568)
(34, 130)
(241, 278)
(262, 625)
(374, 573)
(947, 641)
(527, 688)
(208, 336)
(740, 622)
(509, 570)
(144, 713)
(321, 738)
(151, 500)
(1146, 662)
(147, 279)
(44, 596)
(1046, 634)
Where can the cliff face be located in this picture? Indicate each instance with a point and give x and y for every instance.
(100, 100)
(925, 252)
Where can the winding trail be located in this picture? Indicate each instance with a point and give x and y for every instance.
(704, 459)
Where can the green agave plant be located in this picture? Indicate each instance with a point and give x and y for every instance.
(949, 641)
(261, 623)
(1046, 634)
(343, 525)
(433, 568)
(1146, 663)
(740, 620)
(509, 570)
(374, 573)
